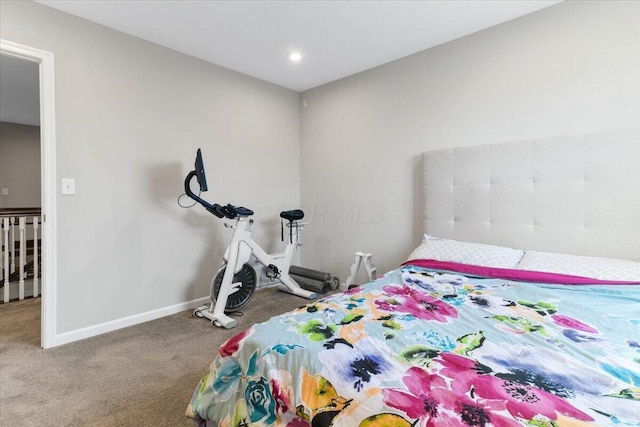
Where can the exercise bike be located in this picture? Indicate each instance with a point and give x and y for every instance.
(237, 279)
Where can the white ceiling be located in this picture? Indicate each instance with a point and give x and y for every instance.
(19, 91)
(336, 38)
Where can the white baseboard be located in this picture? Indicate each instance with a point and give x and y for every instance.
(91, 331)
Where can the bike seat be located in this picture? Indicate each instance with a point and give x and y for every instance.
(292, 215)
(239, 210)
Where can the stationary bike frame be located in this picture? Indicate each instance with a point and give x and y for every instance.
(240, 249)
(237, 254)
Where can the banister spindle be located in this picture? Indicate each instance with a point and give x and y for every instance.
(35, 257)
(6, 269)
(12, 223)
(22, 228)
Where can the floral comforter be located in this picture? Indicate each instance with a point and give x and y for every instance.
(420, 347)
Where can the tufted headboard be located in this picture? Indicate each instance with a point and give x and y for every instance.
(578, 194)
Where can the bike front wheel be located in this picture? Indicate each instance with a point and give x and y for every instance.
(248, 279)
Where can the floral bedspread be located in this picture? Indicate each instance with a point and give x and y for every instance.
(424, 348)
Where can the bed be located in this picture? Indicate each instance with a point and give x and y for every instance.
(471, 331)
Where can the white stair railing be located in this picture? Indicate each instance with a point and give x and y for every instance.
(13, 259)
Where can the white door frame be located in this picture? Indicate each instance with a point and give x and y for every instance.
(48, 181)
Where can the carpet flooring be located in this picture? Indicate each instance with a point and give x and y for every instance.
(143, 375)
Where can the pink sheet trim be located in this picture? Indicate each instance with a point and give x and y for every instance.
(512, 274)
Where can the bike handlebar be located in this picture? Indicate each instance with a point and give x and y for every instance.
(229, 211)
(215, 209)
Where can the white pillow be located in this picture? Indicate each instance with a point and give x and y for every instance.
(584, 266)
(467, 253)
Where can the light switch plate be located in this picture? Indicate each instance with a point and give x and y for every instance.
(68, 186)
(5, 191)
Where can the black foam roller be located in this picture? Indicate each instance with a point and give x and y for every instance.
(311, 284)
(312, 274)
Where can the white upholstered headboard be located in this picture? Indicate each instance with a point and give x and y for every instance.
(578, 194)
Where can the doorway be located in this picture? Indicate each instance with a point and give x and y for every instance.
(45, 63)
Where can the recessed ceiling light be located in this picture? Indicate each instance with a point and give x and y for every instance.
(295, 56)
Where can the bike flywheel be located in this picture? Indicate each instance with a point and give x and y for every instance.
(247, 277)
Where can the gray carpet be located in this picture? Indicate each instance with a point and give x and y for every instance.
(138, 376)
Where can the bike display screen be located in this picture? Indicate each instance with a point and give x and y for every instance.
(199, 169)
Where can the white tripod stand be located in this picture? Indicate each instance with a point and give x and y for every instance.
(361, 258)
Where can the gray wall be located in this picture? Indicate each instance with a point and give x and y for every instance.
(20, 165)
(571, 68)
(129, 117)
